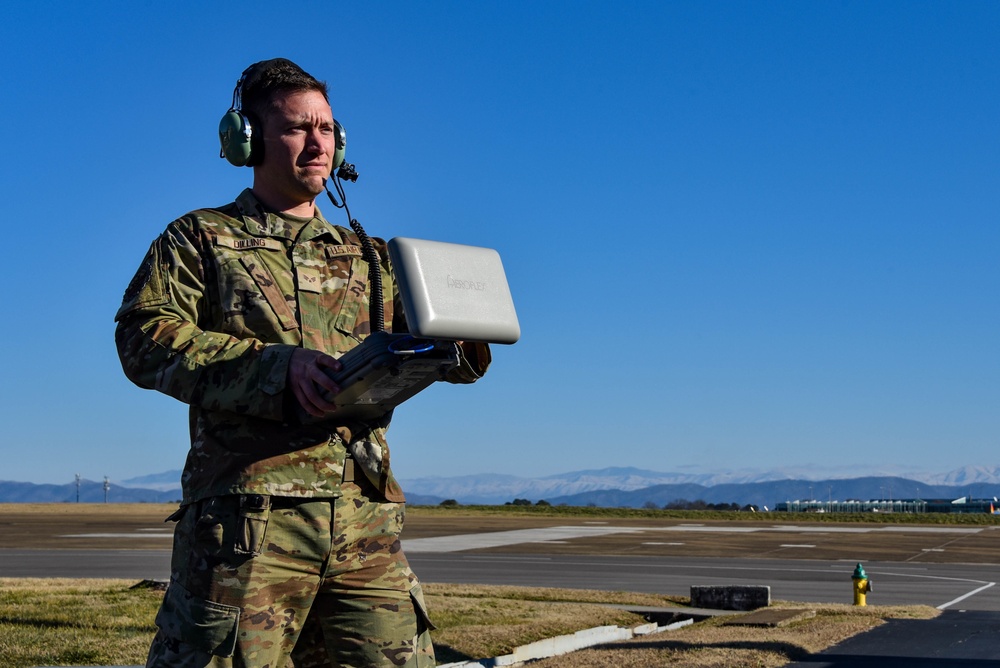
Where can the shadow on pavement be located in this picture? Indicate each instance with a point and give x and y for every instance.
(955, 639)
(858, 661)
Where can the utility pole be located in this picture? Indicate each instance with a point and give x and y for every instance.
(78, 488)
(107, 488)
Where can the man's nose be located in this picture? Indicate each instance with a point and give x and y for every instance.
(314, 142)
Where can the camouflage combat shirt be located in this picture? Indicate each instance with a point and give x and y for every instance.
(220, 302)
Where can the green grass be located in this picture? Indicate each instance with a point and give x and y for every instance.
(74, 622)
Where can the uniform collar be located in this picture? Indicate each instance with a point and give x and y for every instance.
(262, 223)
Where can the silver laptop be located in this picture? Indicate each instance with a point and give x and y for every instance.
(453, 292)
(450, 293)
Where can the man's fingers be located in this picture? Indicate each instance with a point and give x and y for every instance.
(328, 362)
(313, 400)
(319, 378)
(311, 384)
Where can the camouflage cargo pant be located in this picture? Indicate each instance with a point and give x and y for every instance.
(273, 582)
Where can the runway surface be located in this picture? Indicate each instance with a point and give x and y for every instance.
(578, 556)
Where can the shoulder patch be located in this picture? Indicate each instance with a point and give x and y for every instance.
(148, 287)
(139, 281)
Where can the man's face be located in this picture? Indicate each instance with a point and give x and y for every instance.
(299, 145)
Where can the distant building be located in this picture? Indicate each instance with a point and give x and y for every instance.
(962, 505)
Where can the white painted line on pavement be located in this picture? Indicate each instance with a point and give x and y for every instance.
(477, 541)
(962, 598)
(459, 543)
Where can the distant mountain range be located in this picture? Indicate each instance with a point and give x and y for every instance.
(89, 492)
(634, 487)
(628, 487)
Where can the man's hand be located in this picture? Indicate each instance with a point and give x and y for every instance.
(309, 381)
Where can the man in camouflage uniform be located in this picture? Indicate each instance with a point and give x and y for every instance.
(287, 546)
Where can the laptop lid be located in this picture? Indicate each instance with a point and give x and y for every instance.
(453, 292)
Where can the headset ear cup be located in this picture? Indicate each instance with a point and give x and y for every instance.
(236, 137)
(341, 150)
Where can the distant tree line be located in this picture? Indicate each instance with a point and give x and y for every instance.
(698, 504)
(676, 504)
(449, 503)
(527, 502)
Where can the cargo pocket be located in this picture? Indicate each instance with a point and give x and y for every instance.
(255, 510)
(420, 607)
(423, 648)
(204, 625)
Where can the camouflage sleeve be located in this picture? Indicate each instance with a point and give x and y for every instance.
(161, 346)
(474, 359)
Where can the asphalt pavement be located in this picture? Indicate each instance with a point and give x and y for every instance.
(944, 586)
(955, 639)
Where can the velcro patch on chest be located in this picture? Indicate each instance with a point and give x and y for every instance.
(308, 279)
(252, 243)
(341, 251)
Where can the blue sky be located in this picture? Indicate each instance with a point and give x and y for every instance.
(738, 234)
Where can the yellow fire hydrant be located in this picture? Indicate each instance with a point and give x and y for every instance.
(862, 585)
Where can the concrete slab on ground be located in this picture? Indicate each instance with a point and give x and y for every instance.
(771, 618)
(655, 613)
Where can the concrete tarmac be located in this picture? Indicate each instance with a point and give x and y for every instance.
(938, 565)
(945, 586)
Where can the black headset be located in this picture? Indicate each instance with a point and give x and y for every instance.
(240, 136)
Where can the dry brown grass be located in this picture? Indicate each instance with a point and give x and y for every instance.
(155, 510)
(478, 621)
(100, 622)
(712, 644)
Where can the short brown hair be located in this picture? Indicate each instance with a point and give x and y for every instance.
(265, 80)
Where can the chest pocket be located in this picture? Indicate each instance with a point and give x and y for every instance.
(354, 309)
(337, 284)
(269, 288)
(253, 299)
